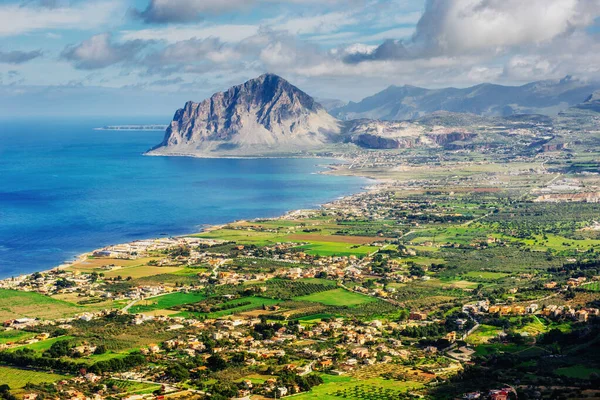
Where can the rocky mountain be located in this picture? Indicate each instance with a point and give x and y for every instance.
(374, 134)
(262, 116)
(409, 102)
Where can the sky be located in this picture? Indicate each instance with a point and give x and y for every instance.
(147, 57)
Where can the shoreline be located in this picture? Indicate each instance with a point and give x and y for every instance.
(373, 185)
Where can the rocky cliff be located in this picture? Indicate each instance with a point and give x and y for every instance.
(262, 116)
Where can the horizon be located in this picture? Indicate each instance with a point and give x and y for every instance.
(153, 55)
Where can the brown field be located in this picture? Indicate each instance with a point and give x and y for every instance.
(334, 238)
(374, 371)
(160, 313)
(141, 271)
(92, 264)
(255, 313)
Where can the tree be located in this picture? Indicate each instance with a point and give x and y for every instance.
(417, 270)
(177, 373)
(100, 349)
(216, 363)
(59, 349)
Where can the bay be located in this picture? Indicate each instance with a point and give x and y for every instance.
(66, 189)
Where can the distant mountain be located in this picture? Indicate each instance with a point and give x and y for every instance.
(331, 104)
(262, 116)
(592, 103)
(410, 102)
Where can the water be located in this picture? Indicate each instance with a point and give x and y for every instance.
(66, 189)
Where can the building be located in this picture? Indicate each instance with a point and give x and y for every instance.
(417, 316)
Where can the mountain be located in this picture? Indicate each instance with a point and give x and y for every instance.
(592, 103)
(411, 102)
(262, 116)
(331, 104)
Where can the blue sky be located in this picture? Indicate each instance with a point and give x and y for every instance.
(177, 50)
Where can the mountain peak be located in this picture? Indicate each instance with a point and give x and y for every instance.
(262, 115)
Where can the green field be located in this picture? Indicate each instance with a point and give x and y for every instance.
(338, 249)
(485, 275)
(14, 336)
(340, 387)
(577, 371)
(483, 334)
(18, 304)
(337, 297)
(166, 301)
(44, 344)
(17, 378)
(244, 236)
(255, 302)
(131, 387)
(592, 287)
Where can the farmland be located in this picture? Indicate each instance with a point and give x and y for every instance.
(17, 304)
(18, 378)
(336, 388)
(337, 297)
(166, 301)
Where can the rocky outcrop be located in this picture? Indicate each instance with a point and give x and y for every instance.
(371, 141)
(375, 134)
(443, 139)
(262, 116)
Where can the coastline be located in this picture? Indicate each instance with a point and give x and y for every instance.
(327, 169)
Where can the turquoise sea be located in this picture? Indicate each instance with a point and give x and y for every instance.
(66, 189)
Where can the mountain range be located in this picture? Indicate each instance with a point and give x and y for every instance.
(409, 102)
(269, 116)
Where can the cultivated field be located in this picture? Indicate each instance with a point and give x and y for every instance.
(17, 378)
(338, 297)
(18, 304)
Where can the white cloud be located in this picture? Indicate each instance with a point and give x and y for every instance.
(173, 34)
(17, 20)
(321, 23)
(99, 52)
(466, 25)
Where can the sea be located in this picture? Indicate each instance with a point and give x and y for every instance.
(66, 189)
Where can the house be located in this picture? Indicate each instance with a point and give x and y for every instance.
(550, 285)
(417, 316)
(431, 349)
(518, 310)
(532, 308)
(582, 315)
(505, 309)
(451, 337)
(498, 394)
